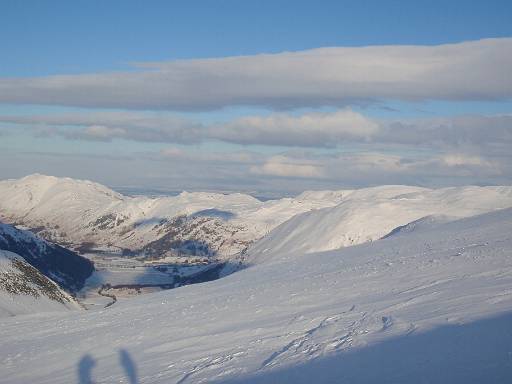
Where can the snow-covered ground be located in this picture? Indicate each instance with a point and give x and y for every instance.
(429, 305)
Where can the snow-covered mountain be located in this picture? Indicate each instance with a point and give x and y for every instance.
(83, 214)
(65, 267)
(372, 213)
(25, 290)
(428, 305)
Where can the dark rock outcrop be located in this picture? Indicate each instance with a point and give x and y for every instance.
(68, 269)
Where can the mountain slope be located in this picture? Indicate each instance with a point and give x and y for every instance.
(24, 290)
(86, 215)
(432, 304)
(369, 214)
(66, 268)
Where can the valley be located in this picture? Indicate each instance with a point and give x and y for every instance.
(256, 192)
(300, 289)
(118, 278)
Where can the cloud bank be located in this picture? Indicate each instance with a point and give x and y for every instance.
(313, 130)
(316, 129)
(308, 130)
(106, 126)
(475, 70)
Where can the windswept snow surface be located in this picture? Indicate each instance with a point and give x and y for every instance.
(432, 305)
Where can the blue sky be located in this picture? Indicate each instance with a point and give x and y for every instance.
(54, 37)
(44, 39)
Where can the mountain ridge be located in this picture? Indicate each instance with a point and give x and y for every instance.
(87, 216)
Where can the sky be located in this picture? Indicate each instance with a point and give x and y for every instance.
(265, 97)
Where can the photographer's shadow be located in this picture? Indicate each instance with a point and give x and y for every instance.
(87, 363)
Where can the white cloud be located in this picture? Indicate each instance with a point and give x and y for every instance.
(371, 162)
(315, 129)
(475, 70)
(445, 168)
(307, 130)
(237, 157)
(466, 130)
(137, 126)
(172, 152)
(283, 166)
(458, 159)
(100, 132)
(310, 130)
(290, 172)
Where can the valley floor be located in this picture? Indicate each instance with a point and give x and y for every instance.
(124, 277)
(433, 305)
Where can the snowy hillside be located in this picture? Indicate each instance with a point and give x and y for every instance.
(88, 216)
(430, 305)
(24, 290)
(64, 267)
(371, 213)
(91, 217)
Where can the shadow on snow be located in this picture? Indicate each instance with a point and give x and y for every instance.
(87, 363)
(477, 352)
